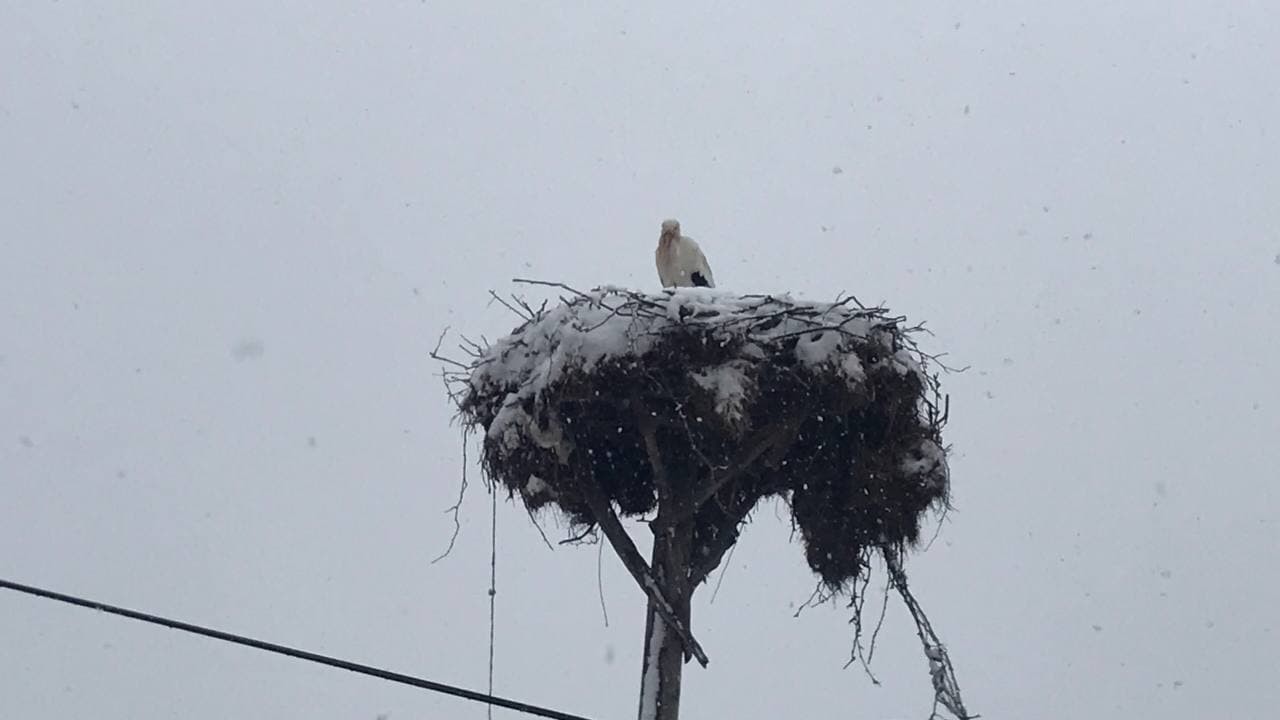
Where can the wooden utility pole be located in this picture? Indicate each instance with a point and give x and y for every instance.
(663, 651)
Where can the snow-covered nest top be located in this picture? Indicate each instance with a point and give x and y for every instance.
(828, 405)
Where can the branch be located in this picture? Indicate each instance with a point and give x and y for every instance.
(777, 436)
(946, 691)
(635, 563)
(511, 307)
(648, 430)
(580, 537)
(725, 519)
(547, 283)
(435, 353)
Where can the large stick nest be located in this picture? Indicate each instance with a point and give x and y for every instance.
(830, 406)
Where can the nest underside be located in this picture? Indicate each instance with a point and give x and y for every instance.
(849, 438)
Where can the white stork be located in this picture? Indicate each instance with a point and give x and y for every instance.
(680, 260)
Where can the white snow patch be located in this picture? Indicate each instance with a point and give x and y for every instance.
(818, 348)
(826, 348)
(537, 486)
(649, 684)
(902, 362)
(852, 368)
(931, 456)
(730, 385)
(505, 429)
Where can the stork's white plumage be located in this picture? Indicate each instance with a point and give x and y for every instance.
(680, 260)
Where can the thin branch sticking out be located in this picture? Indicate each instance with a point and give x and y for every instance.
(457, 507)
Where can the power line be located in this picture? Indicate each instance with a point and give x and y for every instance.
(293, 652)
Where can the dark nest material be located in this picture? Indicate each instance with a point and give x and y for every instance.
(829, 406)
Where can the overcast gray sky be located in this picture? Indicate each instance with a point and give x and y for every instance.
(231, 232)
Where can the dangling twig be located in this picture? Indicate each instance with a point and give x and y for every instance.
(946, 690)
(457, 507)
(600, 581)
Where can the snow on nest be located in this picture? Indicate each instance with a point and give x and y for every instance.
(611, 324)
(729, 385)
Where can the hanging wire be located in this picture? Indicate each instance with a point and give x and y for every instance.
(493, 579)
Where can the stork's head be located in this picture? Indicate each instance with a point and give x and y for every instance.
(670, 229)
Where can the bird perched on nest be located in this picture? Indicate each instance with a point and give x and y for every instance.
(680, 260)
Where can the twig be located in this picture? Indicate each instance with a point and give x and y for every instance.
(435, 353)
(600, 581)
(860, 654)
(942, 518)
(528, 309)
(723, 572)
(858, 601)
(875, 634)
(575, 539)
(547, 283)
(707, 558)
(471, 347)
(819, 596)
(510, 307)
(538, 527)
(457, 507)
